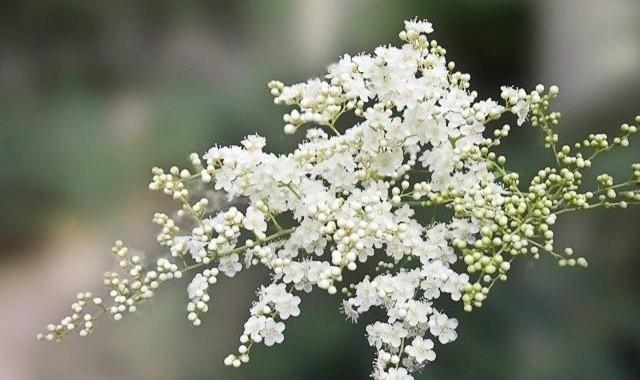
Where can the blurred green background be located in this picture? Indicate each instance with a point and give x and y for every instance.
(93, 94)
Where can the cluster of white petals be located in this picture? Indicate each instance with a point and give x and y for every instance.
(351, 198)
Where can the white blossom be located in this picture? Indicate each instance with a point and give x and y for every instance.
(443, 328)
(272, 332)
(396, 374)
(230, 265)
(421, 143)
(254, 220)
(198, 286)
(421, 349)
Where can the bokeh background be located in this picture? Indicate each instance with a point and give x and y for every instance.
(93, 94)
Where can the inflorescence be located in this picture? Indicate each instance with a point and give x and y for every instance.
(349, 194)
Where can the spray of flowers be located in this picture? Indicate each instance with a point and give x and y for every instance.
(390, 137)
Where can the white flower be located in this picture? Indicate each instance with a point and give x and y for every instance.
(421, 349)
(254, 220)
(254, 143)
(517, 102)
(317, 269)
(272, 332)
(420, 140)
(294, 272)
(388, 162)
(366, 296)
(230, 265)
(396, 374)
(417, 312)
(194, 245)
(391, 335)
(254, 325)
(420, 26)
(348, 310)
(198, 286)
(287, 305)
(443, 327)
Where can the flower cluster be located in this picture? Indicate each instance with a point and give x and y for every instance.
(349, 194)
